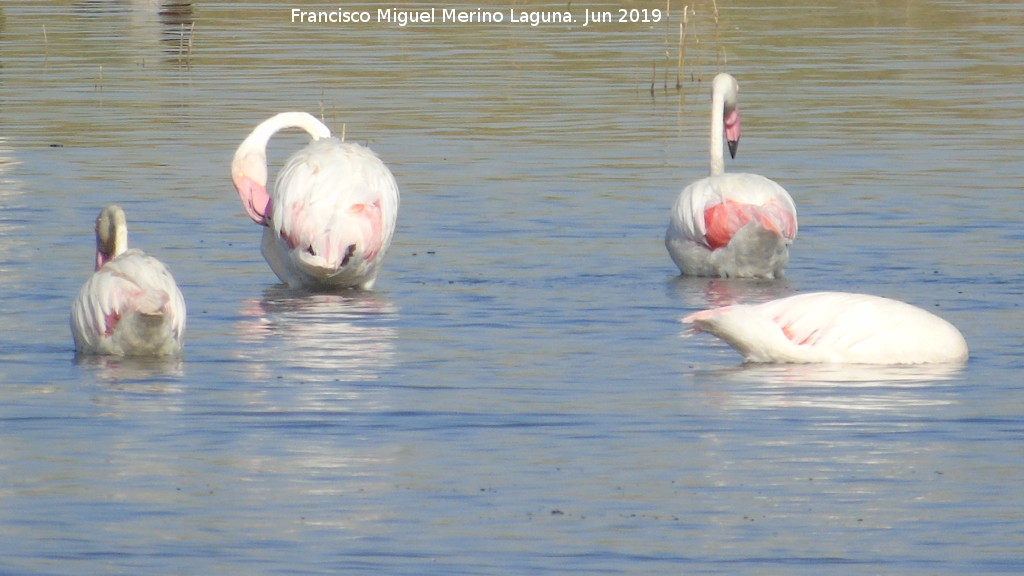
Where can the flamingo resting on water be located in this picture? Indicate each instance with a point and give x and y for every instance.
(131, 305)
(730, 225)
(834, 327)
(330, 218)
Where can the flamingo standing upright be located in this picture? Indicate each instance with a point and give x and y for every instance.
(730, 225)
(834, 327)
(331, 215)
(131, 305)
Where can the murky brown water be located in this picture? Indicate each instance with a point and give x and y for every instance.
(516, 396)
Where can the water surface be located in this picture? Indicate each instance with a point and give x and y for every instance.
(517, 395)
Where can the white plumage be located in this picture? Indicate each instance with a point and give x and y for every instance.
(730, 225)
(131, 305)
(834, 327)
(331, 216)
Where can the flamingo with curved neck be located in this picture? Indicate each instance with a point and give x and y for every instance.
(331, 215)
(130, 306)
(730, 224)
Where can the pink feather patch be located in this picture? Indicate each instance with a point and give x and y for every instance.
(110, 321)
(725, 219)
(372, 224)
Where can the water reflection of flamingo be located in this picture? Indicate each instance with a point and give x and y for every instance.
(699, 293)
(150, 375)
(131, 305)
(860, 388)
(730, 225)
(331, 215)
(321, 337)
(834, 327)
(143, 25)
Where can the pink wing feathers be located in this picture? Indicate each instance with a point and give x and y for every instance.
(333, 213)
(724, 219)
(130, 306)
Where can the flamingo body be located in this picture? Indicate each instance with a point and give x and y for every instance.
(131, 305)
(331, 216)
(730, 225)
(834, 327)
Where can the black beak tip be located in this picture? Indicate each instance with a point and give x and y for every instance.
(733, 145)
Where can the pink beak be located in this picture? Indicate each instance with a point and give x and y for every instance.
(732, 131)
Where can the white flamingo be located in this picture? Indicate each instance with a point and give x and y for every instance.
(834, 327)
(730, 225)
(330, 218)
(131, 305)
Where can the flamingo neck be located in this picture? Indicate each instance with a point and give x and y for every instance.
(717, 164)
(120, 240)
(249, 166)
(111, 235)
(260, 136)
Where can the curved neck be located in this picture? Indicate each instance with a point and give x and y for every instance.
(261, 135)
(111, 235)
(249, 166)
(717, 165)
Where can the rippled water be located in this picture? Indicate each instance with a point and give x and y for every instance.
(517, 395)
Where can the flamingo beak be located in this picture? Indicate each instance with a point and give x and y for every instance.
(253, 194)
(732, 130)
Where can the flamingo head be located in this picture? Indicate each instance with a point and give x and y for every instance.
(249, 174)
(111, 234)
(729, 88)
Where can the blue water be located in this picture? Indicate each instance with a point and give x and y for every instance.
(517, 394)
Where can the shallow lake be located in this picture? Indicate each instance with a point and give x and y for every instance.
(517, 395)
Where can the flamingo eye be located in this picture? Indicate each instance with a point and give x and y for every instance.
(310, 250)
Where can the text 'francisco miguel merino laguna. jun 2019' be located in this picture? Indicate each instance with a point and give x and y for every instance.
(584, 17)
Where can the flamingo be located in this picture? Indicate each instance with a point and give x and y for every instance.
(330, 218)
(730, 225)
(834, 327)
(131, 305)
